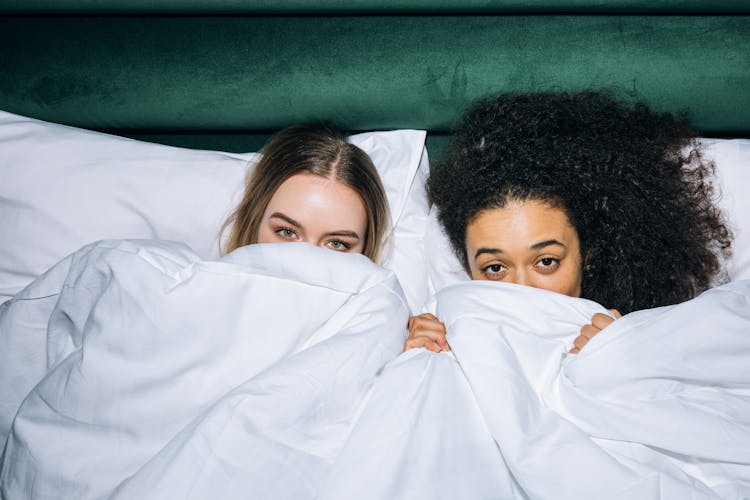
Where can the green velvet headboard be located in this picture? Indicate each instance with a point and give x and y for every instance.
(223, 74)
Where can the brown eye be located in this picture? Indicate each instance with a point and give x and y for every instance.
(494, 271)
(548, 264)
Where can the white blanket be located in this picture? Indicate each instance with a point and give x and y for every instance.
(261, 377)
(655, 406)
(137, 356)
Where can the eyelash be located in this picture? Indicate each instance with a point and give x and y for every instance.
(344, 245)
(493, 275)
(552, 266)
(280, 231)
(497, 275)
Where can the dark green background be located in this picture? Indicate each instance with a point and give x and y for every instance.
(189, 73)
(370, 6)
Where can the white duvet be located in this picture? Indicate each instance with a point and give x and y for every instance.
(138, 357)
(134, 370)
(655, 406)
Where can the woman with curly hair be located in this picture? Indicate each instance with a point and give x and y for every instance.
(579, 194)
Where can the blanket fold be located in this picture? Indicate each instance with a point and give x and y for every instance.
(656, 406)
(139, 371)
(149, 347)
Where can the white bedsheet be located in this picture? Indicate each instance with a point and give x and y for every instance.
(231, 395)
(135, 351)
(657, 406)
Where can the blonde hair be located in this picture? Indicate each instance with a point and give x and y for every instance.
(309, 149)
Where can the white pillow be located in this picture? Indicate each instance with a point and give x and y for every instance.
(62, 187)
(732, 159)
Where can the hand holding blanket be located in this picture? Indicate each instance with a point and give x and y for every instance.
(151, 374)
(657, 406)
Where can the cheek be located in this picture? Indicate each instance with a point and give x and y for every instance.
(359, 247)
(559, 283)
(570, 282)
(475, 273)
(577, 286)
(470, 265)
(576, 292)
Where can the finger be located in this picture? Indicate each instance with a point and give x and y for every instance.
(616, 313)
(423, 317)
(438, 337)
(580, 342)
(426, 325)
(414, 342)
(411, 321)
(433, 347)
(574, 350)
(420, 322)
(434, 335)
(588, 331)
(601, 321)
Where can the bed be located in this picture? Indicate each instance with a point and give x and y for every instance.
(128, 123)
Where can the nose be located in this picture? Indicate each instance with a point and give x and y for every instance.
(520, 277)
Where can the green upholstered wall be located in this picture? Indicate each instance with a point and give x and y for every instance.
(370, 6)
(189, 73)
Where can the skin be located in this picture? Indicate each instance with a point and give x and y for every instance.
(316, 210)
(529, 243)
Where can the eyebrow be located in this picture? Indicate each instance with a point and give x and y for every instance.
(342, 233)
(546, 243)
(279, 215)
(535, 246)
(350, 234)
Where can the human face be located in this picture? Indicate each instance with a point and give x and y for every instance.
(528, 243)
(316, 210)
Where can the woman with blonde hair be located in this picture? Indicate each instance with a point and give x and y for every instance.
(313, 186)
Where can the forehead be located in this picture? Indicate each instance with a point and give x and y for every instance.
(520, 224)
(311, 199)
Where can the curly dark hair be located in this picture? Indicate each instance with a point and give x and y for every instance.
(632, 181)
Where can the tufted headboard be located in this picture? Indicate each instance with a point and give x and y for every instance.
(223, 74)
